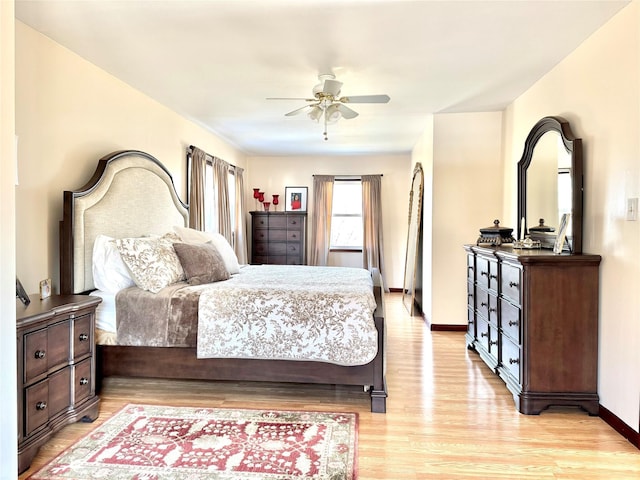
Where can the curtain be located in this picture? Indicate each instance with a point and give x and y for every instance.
(197, 188)
(373, 246)
(240, 244)
(321, 220)
(221, 187)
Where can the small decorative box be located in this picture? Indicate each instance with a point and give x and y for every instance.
(495, 235)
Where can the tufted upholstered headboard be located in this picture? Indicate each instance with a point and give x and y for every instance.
(130, 194)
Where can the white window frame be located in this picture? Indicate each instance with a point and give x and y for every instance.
(336, 215)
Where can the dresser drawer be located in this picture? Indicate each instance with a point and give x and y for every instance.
(510, 321)
(471, 295)
(82, 336)
(294, 260)
(470, 268)
(482, 303)
(488, 338)
(277, 235)
(511, 279)
(45, 349)
(277, 221)
(487, 273)
(260, 248)
(511, 358)
(261, 221)
(295, 222)
(260, 235)
(294, 235)
(277, 248)
(83, 382)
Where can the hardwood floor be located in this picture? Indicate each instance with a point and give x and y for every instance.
(448, 417)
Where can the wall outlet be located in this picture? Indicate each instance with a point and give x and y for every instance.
(632, 209)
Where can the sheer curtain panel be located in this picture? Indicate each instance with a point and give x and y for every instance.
(373, 246)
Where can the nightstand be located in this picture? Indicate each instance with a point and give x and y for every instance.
(56, 368)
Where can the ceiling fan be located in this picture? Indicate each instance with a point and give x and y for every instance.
(328, 105)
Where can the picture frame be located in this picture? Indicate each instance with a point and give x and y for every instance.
(45, 288)
(295, 199)
(21, 293)
(562, 233)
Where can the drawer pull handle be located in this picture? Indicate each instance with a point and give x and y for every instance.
(40, 354)
(484, 334)
(84, 381)
(514, 360)
(470, 268)
(494, 277)
(512, 323)
(495, 342)
(493, 309)
(483, 304)
(293, 222)
(41, 405)
(513, 284)
(484, 273)
(83, 337)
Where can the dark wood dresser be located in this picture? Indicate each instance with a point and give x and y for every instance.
(533, 319)
(278, 238)
(56, 368)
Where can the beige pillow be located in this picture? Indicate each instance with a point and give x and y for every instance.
(191, 235)
(152, 261)
(202, 263)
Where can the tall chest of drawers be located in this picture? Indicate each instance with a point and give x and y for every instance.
(56, 368)
(533, 319)
(278, 238)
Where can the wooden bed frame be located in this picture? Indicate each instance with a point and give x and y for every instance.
(136, 193)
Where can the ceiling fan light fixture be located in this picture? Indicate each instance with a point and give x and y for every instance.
(332, 113)
(315, 113)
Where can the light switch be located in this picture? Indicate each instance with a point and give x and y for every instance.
(632, 209)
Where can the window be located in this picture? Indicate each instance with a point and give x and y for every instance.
(346, 217)
(211, 199)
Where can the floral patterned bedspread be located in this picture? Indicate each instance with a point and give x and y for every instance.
(290, 312)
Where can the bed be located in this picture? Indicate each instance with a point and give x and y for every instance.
(131, 195)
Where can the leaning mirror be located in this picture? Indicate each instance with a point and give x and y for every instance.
(550, 184)
(412, 289)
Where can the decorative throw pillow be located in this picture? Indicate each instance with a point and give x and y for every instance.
(152, 261)
(110, 274)
(191, 235)
(202, 263)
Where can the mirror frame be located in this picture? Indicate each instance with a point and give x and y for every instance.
(573, 146)
(411, 258)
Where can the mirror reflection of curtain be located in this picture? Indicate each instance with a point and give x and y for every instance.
(321, 219)
(373, 245)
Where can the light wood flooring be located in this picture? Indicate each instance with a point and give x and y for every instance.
(448, 417)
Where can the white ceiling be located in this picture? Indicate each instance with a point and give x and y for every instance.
(215, 61)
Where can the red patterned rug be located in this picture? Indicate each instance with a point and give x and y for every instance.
(145, 442)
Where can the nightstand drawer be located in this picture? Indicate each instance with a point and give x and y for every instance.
(83, 381)
(82, 336)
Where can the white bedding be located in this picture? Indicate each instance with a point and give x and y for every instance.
(106, 311)
(287, 312)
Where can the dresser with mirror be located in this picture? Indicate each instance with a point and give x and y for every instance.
(532, 312)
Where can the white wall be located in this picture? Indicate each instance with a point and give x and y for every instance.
(8, 384)
(467, 196)
(273, 174)
(69, 114)
(597, 88)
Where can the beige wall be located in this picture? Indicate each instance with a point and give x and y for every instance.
(273, 174)
(8, 394)
(69, 114)
(467, 196)
(597, 88)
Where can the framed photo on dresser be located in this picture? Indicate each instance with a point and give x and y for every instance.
(295, 199)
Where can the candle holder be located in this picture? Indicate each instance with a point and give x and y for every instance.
(256, 195)
(275, 201)
(266, 206)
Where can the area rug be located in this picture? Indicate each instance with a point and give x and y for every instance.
(146, 442)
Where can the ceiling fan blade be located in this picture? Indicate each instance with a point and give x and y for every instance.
(331, 87)
(297, 111)
(346, 111)
(291, 98)
(365, 99)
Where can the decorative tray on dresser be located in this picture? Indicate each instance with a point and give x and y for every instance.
(533, 319)
(56, 368)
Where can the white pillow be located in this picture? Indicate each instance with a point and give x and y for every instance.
(110, 274)
(152, 261)
(190, 235)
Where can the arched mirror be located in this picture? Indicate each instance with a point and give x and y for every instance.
(412, 289)
(550, 184)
